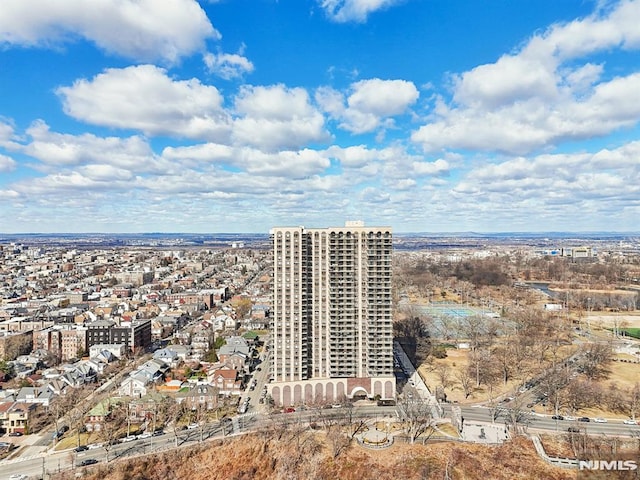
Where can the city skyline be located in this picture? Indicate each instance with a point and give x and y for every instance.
(233, 116)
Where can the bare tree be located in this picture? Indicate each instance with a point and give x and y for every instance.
(354, 424)
(444, 374)
(466, 382)
(417, 415)
(633, 400)
(111, 426)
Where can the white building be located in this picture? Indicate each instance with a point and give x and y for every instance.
(332, 314)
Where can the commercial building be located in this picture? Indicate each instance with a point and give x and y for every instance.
(331, 314)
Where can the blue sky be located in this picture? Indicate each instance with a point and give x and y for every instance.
(241, 115)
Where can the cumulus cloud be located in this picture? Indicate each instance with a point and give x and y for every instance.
(142, 30)
(7, 164)
(369, 104)
(541, 94)
(551, 179)
(277, 118)
(145, 98)
(353, 10)
(58, 149)
(285, 163)
(228, 65)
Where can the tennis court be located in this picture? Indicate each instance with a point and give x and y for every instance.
(447, 318)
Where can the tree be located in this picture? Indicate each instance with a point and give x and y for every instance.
(595, 359)
(632, 402)
(466, 382)
(354, 425)
(417, 415)
(111, 426)
(444, 374)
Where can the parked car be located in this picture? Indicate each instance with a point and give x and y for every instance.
(87, 461)
(557, 417)
(600, 420)
(573, 430)
(15, 434)
(630, 421)
(584, 419)
(81, 448)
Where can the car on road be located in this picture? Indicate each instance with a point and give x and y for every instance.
(570, 418)
(289, 410)
(15, 434)
(192, 426)
(584, 419)
(630, 421)
(573, 430)
(600, 420)
(157, 433)
(87, 461)
(557, 417)
(18, 476)
(81, 448)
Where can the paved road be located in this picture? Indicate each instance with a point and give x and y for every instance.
(545, 422)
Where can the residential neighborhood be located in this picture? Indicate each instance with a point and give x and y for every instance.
(142, 327)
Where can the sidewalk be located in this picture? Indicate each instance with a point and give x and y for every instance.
(480, 432)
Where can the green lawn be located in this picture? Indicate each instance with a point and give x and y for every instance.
(632, 332)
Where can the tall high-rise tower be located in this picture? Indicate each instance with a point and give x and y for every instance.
(332, 313)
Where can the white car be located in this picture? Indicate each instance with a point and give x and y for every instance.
(630, 421)
(600, 420)
(18, 476)
(570, 418)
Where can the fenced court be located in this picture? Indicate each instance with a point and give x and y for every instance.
(448, 318)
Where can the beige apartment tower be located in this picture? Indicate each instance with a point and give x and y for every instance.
(332, 314)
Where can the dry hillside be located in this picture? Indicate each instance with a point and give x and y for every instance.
(310, 456)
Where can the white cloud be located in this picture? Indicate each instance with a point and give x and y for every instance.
(57, 149)
(439, 167)
(285, 163)
(7, 164)
(228, 65)
(7, 135)
(370, 103)
(553, 179)
(205, 153)
(353, 157)
(541, 94)
(353, 10)
(146, 99)
(142, 30)
(276, 117)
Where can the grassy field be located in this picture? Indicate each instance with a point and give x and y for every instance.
(632, 332)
